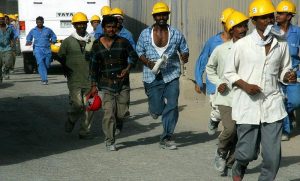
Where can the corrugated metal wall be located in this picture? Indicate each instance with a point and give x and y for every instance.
(197, 19)
(9, 6)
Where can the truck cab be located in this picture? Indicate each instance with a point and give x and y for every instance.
(57, 15)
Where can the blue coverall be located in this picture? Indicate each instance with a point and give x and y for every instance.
(41, 48)
(200, 66)
(292, 91)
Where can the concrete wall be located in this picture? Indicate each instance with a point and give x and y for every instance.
(198, 21)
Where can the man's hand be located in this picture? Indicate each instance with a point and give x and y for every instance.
(198, 89)
(252, 89)
(290, 77)
(92, 91)
(184, 57)
(150, 65)
(123, 73)
(222, 88)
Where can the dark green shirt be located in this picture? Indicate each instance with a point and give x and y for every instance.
(74, 56)
(108, 63)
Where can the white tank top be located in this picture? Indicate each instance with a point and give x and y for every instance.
(160, 50)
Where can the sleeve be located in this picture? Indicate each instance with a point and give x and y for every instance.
(201, 64)
(183, 47)
(140, 46)
(29, 37)
(53, 36)
(98, 31)
(231, 66)
(133, 57)
(286, 63)
(211, 68)
(94, 69)
(130, 38)
(63, 49)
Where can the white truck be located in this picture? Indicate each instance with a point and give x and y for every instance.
(57, 15)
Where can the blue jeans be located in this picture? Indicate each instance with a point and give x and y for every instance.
(43, 59)
(163, 100)
(292, 92)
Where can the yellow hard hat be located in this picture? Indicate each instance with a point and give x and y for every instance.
(286, 6)
(95, 18)
(117, 11)
(54, 48)
(17, 15)
(79, 17)
(12, 16)
(160, 7)
(225, 13)
(234, 19)
(261, 7)
(105, 10)
(1, 15)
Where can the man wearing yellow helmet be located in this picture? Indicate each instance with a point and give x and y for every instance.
(208, 48)
(256, 63)
(121, 31)
(75, 59)
(105, 11)
(6, 42)
(285, 11)
(237, 26)
(95, 21)
(158, 47)
(14, 25)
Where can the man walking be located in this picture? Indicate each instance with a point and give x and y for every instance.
(285, 11)
(237, 27)
(41, 47)
(6, 44)
(257, 104)
(209, 46)
(110, 74)
(73, 53)
(158, 48)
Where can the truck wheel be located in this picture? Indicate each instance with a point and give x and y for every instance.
(29, 63)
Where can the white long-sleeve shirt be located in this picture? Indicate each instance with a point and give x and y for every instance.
(215, 72)
(249, 62)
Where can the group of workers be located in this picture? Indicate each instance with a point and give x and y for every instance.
(251, 78)
(252, 84)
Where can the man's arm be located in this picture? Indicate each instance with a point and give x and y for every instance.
(200, 67)
(212, 73)
(53, 36)
(29, 38)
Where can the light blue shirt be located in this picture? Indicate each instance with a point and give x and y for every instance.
(177, 44)
(42, 37)
(200, 66)
(5, 39)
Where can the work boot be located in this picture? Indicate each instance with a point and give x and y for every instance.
(220, 161)
(167, 144)
(110, 146)
(212, 127)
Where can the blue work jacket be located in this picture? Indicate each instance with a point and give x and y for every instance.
(42, 38)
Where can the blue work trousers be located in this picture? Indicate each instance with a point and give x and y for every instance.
(43, 58)
(292, 93)
(163, 100)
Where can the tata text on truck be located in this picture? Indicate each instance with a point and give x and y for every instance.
(57, 16)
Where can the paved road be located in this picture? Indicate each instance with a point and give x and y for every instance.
(35, 147)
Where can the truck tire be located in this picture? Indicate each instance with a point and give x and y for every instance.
(29, 61)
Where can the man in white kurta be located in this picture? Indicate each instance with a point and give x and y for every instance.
(256, 65)
(237, 26)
